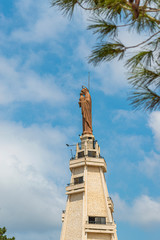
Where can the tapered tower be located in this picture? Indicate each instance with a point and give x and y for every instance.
(89, 209)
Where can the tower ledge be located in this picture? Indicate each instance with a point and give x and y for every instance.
(88, 154)
(88, 161)
(100, 228)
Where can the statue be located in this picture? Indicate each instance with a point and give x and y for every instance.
(86, 106)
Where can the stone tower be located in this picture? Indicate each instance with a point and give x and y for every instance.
(89, 209)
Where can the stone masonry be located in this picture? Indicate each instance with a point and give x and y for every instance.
(89, 209)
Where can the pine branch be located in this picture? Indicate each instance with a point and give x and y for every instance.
(88, 8)
(141, 77)
(143, 57)
(66, 6)
(145, 99)
(103, 28)
(154, 44)
(142, 43)
(149, 9)
(107, 52)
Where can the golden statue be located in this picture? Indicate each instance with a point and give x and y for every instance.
(86, 106)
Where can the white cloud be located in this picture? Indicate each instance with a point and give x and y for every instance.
(4, 23)
(127, 116)
(31, 170)
(42, 22)
(151, 166)
(154, 124)
(110, 76)
(52, 235)
(83, 50)
(131, 38)
(143, 211)
(22, 84)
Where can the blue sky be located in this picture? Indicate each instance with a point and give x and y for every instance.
(43, 64)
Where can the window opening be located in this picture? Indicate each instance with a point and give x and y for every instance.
(78, 180)
(97, 220)
(91, 154)
(81, 154)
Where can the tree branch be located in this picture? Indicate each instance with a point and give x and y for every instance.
(149, 9)
(143, 41)
(146, 99)
(88, 9)
(125, 25)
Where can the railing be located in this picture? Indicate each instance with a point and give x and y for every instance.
(81, 155)
(93, 222)
(90, 153)
(80, 145)
(73, 184)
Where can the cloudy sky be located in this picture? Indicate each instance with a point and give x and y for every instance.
(43, 64)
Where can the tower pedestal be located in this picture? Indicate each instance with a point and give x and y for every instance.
(89, 209)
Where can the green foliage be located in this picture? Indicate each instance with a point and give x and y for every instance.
(103, 28)
(144, 77)
(3, 236)
(67, 6)
(143, 57)
(145, 23)
(108, 18)
(144, 98)
(107, 52)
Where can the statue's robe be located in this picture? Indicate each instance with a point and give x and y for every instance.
(86, 106)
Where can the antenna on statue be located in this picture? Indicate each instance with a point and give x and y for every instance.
(88, 81)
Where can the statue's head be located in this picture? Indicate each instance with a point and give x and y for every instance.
(84, 90)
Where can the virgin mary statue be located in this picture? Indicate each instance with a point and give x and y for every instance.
(86, 106)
